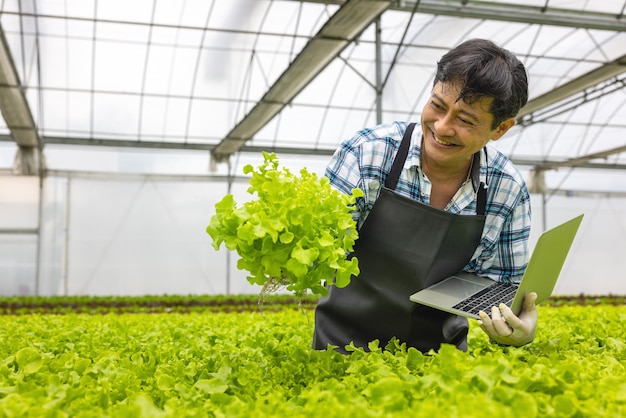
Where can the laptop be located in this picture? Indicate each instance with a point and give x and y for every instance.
(466, 294)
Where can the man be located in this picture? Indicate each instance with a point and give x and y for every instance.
(423, 185)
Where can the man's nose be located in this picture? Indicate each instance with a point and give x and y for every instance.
(445, 125)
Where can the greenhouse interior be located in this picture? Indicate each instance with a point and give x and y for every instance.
(124, 123)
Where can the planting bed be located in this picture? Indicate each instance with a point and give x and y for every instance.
(230, 357)
(204, 303)
(150, 304)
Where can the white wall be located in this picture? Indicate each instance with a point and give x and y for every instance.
(139, 236)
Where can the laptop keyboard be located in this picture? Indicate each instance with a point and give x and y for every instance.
(490, 296)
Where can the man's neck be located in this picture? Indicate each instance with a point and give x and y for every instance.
(445, 182)
(444, 174)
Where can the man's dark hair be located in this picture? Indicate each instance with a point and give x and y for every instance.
(486, 70)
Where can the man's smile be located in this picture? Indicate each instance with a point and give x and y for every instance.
(443, 141)
(440, 141)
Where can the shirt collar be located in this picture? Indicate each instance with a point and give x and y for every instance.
(414, 159)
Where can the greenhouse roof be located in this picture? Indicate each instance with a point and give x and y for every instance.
(299, 76)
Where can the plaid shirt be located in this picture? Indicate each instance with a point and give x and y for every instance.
(364, 161)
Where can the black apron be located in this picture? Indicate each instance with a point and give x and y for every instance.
(403, 246)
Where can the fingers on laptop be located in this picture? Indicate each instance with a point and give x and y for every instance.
(486, 323)
(498, 324)
(511, 319)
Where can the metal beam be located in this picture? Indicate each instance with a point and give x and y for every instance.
(594, 194)
(185, 146)
(580, 162)
(19, 231)
(508, 12)
(13, 101)
(519, 13)
(575, 86)
(336, 34)
(114, 176)
(16, 113)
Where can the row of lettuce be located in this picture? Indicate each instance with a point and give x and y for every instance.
(260, 363)
(20, 305)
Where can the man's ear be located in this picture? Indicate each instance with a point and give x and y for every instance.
(501, 129)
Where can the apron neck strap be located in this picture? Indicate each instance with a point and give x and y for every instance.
(398, 163)
(481, 189)
(481, 199)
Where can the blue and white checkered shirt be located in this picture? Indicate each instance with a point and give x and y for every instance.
(364, 161)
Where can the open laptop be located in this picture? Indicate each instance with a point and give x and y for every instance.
(466, 294)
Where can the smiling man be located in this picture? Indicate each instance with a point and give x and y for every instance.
(421, 184)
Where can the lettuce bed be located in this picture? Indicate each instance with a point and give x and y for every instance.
(258, 363)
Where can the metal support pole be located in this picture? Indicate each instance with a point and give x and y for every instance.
(38, 252)
(66, 250)
(544, 215)
(229, 190)
(379, 74)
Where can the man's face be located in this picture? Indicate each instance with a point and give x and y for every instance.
(455, 130)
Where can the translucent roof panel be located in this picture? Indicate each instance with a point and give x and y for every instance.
(186, 74)
(154, 70)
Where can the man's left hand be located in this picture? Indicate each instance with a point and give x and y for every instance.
(504, 327)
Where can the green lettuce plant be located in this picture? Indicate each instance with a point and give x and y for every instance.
(296, 234)
(249, 365)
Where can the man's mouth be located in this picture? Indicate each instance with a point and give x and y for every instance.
(443, 142)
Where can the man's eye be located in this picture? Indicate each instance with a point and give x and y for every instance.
(435, 105)
(466, 122)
